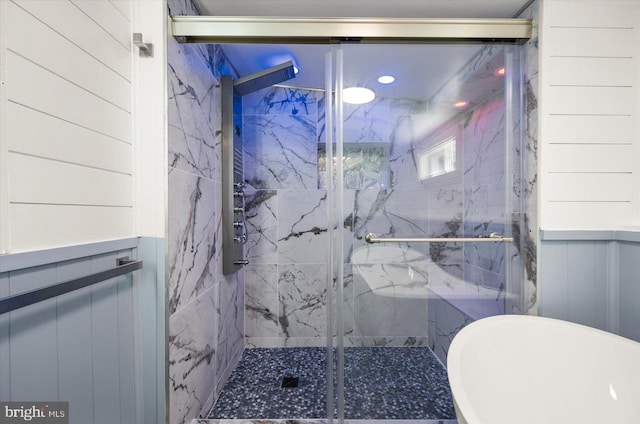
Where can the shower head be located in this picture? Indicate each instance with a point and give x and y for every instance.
(264, 79)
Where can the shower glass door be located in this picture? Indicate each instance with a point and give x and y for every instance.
(369, 322)
(432, 155)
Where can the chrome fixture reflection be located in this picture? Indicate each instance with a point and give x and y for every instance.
(264, 79)
(491, 238)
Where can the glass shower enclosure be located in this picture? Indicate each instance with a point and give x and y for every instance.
(423, 202)
(375, 230)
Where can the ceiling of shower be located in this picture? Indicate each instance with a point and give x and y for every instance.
(420, 70)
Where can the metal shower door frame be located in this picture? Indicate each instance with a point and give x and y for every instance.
(272, 30)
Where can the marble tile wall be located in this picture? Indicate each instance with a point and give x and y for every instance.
(206, 308)
(286, 220)
(485, 195)
(445, 321)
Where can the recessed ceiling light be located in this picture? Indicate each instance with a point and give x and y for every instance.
(386, 79)
(460, 104)
(500, 71)
(357, 95)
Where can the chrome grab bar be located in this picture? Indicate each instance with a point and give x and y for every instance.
(491, 238)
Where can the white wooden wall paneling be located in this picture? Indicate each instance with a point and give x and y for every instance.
(26, 128)
(73, 224)
(588, 215)
(578, 129)
(124, 7)
(589, 108)
(67, 19)
(592, 41)
(5, 240)
(63, 58)
(68, 175)
(589, 187)
(35, 87)
(592, 100)
(38, 180)
(591, 13)
(593, 157)
(598, 71)
(109, 18)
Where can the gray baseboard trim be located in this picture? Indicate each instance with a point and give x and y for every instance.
(570, 235)
(591, 235)
(16, 261)
(628, 235)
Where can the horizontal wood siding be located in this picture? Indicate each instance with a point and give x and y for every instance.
(589, 114)
(68, 135)
(72, 223)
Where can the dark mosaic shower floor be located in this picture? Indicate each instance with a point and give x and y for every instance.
(380, 383)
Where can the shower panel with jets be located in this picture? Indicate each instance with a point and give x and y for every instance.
(233, 196)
